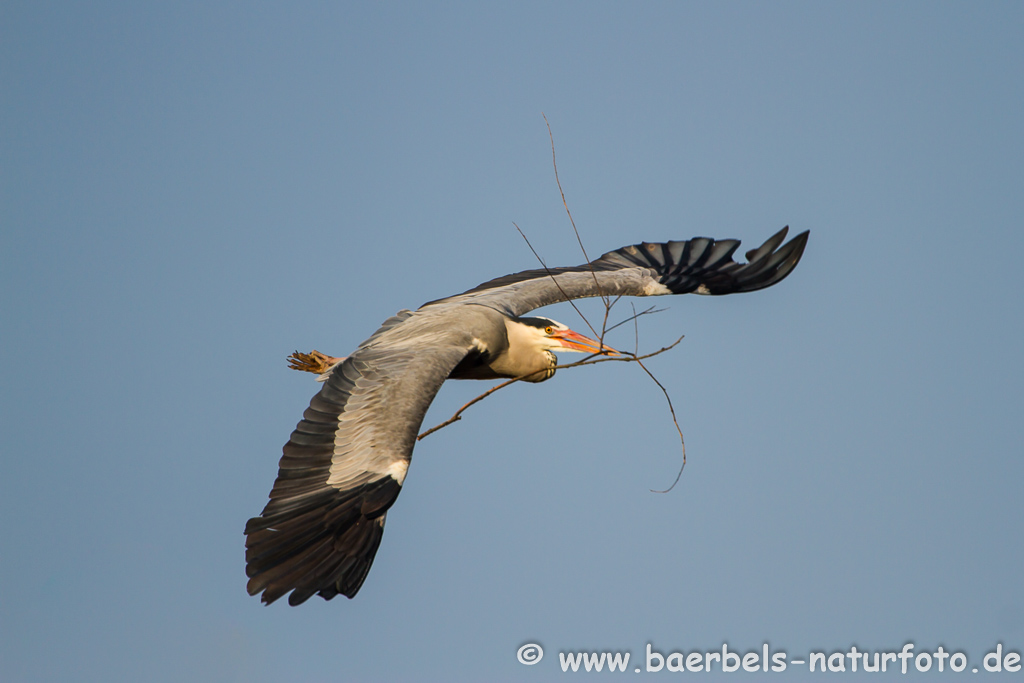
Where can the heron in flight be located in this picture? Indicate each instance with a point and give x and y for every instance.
(346, 461)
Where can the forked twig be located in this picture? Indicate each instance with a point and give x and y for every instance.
(636, 315)
(596, 358)
(589, 360)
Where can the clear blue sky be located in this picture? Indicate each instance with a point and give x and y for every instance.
(190, 192)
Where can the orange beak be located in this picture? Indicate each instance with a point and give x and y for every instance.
(574, 341)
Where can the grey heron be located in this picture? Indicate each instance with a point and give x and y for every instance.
(347, 459)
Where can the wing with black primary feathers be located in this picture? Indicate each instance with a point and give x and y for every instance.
(342, 469)
(701, 265)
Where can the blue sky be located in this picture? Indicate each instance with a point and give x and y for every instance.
(191, 192)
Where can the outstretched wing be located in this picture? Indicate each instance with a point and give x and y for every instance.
(701, 265)
(344, 466)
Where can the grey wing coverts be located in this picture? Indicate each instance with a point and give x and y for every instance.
(701, 266)
(341, 470)
(345, 463)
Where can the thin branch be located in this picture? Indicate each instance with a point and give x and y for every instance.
(566, 205)
(458, 413)
(682, 442)
(595, 358)
(604, 298)
(672, 410)
(636, 327)
(589, 360)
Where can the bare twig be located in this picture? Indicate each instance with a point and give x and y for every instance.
(458, 413)
(636, 328)
(566, 205)
(682, 442)
(672, 410)
(595, 358)
(589, 360)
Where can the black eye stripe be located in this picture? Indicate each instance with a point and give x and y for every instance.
(542, 323)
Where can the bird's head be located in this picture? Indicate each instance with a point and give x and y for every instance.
(550, 335)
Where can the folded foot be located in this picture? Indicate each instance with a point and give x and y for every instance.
(314, 361)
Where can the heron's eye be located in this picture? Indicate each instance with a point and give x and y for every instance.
(548, 329)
